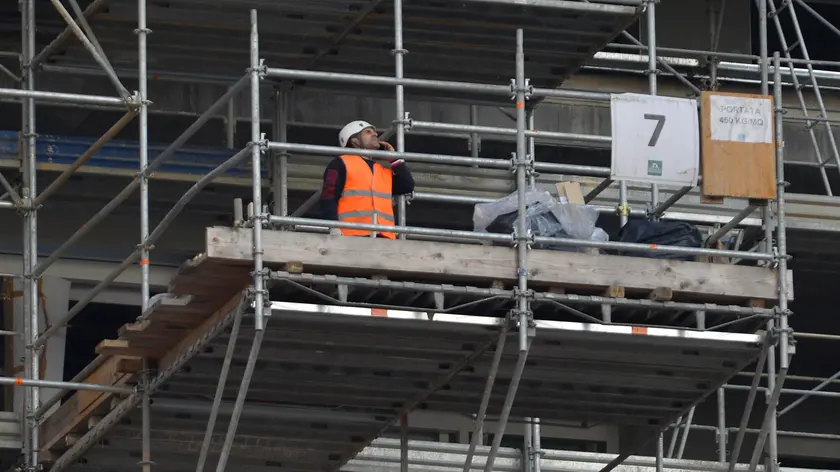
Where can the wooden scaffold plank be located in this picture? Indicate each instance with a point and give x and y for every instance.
(424, 260)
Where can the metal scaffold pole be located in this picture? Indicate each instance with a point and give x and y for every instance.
(142, 75)
(280, 160)
(143, 105)
(766, 211)
(259, 292)
(652, 72)
(30, 238)
(784, 331)
(522, 311)
(402, 116)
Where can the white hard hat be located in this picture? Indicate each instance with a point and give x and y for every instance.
(351, 129)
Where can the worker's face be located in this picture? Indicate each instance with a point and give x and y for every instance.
(367, 139)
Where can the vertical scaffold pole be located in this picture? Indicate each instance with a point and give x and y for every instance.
(772, 447)
(660, 450)
(475, 138)
(522, 310)
(535, 436)
(527, 446)
(256, 175)
(280, 159)
(142, 81)
(259, 216)
(781, 270)
(399, 52)
(766, 215)
(532, 146)
(722, 432)
(653, 71)
(30, 238)
(142, 85)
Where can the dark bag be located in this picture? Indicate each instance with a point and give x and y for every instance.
(542, 224)
(663, 233)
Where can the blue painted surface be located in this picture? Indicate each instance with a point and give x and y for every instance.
(123, 155)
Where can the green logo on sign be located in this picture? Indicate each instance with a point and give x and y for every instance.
(655, 168)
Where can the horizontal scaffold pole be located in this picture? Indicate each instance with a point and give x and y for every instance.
(444, 85)
(439, 159)
(19, 382)
(508, 238)
(60, 97)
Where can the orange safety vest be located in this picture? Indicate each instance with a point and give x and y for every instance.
(366, 194)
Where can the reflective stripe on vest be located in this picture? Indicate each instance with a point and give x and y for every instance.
(365, 214)
(365, 193)
(366, 197)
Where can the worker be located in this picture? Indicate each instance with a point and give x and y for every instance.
(359, 189)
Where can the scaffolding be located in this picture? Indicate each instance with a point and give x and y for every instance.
(242, 296)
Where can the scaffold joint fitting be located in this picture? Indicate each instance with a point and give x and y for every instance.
(528, 239)
(261, 69)
(528, 294)
(528, 89)
(623, 209)
(405, 121)
(527, 164)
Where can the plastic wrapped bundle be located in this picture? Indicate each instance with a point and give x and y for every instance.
(544, 215)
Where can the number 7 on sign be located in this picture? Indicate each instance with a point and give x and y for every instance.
(660, 123)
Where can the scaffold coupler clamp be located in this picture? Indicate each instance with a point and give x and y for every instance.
(528, 90)
(261, 69)
(527, 163)
(528, 239)
(26, 202)
(134, 101)
(262, 143)
(515, 315)
(146, 246)
(622, 209)
(532, 167)
(774, 263)
(407, 121)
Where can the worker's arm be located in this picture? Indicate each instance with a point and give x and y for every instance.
(403, 181)
(333, 185)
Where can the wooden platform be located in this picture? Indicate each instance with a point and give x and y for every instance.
(483, 264)
(208, 287)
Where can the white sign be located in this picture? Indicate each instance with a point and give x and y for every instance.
(745, 120)
(655, 139)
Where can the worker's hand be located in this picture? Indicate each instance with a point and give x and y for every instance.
(388, 162)
(335, 232)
